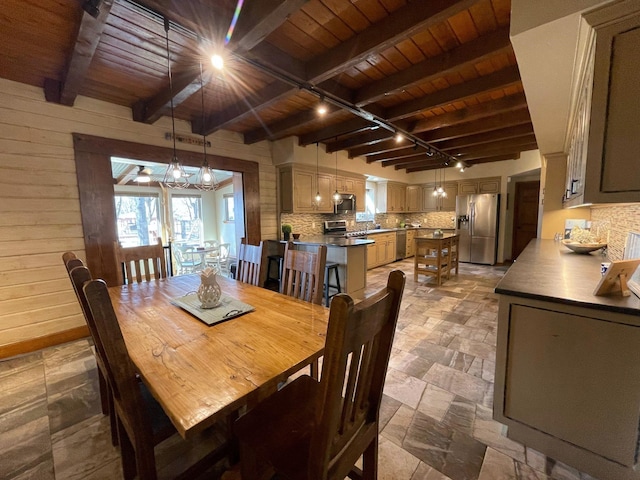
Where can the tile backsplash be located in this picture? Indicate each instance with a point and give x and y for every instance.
(312, 223)
(623, 219)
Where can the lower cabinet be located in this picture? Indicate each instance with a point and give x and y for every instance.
(383, 251)
(568, 384)
(411, 244)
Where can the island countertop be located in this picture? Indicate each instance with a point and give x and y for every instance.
(331, 241)
(547, 270)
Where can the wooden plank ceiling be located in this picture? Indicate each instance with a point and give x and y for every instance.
(440, 71)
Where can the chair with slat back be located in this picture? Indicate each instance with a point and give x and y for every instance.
(142, 424)
(251, 263)
(71, 261)
(319, 430)
(303, 273)
(142, 263)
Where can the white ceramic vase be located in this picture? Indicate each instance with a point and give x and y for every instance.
(209, 291)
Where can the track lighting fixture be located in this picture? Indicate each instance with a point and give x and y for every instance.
(217, 61)
(399, 137)
(322, 107)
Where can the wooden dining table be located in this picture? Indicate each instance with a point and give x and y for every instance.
(200, 373)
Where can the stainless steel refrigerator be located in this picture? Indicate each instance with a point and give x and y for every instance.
(477, 224)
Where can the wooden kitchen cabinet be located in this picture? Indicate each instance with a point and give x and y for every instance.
(411, 244)
(383, 251)
(325, 186)
(414, 198)
(391, 197)
(605, 138)
(479, 185)
(298, 188)
(432, 203)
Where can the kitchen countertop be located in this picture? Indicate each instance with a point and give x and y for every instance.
(547, 270)
(331, 241)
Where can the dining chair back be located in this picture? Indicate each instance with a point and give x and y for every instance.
(134, 405)
(251, 263)
(319, 430)
(303, 273)
(77, 278)
(142, 263)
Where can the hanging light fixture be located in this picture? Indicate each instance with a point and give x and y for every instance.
(205, 179)
(440, 189)
(318, 197)
(435, 183)
(143, 175)
(337, 198)
(175, 176)
(444, 180)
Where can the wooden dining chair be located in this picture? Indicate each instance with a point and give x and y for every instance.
(319, 430)
(141, 263)
(71, 261)
(303, 273)
(251, 263)
(79, 274)
(142, 424)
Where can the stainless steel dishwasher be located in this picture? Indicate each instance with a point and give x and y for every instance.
(401, 244)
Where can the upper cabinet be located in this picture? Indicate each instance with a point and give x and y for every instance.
(298, 186)
(391, 197)
(414, 198)
(605, 132)
(438, 203)
(479, 185)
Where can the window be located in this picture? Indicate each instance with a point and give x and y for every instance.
(229, 215)
(138, 219)
(370, 208)
(186, 212)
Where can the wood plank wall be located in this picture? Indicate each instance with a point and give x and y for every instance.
(40, 210)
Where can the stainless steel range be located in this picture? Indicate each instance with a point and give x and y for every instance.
(335, 228)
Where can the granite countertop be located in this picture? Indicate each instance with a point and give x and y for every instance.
(331, 241)
(547, 270)
(431, 236)
(386, 230)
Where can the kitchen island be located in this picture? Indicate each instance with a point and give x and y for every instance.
(568, 363)
(349, 253)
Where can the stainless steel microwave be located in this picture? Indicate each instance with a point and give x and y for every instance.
(348, 204)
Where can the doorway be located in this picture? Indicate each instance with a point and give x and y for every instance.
(525, 216)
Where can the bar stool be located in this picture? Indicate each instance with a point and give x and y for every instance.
(279, 260)
(331, 267)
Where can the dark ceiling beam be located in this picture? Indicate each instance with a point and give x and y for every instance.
(240, 110)
(436, 162)
(487, 124)
(287, 125)
(87, 39)
(385, 146)
(403, 161)
(366, 138)
(487, 137)
(355, 124)
(400, 25)
(397, 154)
(474, 112)
(493, 146)
(436, 67)
(495, 149)
(500, 79)
(259, 19)
(420, 167)
(185, 84)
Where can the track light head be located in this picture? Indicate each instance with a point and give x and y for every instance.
(92, 7)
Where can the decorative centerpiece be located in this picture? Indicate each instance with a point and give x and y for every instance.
(286, 230)
(209, 292)
(584, 241)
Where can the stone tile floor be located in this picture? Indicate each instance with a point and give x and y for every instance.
(436, 421)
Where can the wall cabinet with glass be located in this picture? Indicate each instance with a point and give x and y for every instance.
(391, 197)
(605, 139)
(439, 203)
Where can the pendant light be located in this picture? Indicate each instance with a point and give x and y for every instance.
(205, 179)
(440, 189)
(175, 176)
(143, 175)
(435, 184)
(337, 198)
(444, 181)
(318, 197)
